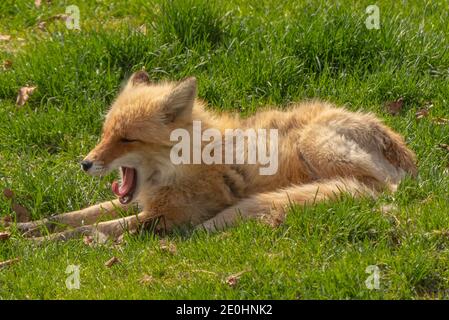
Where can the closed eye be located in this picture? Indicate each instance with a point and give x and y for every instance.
(126, 140)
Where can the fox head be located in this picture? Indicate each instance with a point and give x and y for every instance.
(136, 132)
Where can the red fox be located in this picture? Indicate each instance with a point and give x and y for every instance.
(323, 151)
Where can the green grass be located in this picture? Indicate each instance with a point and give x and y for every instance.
(245, 54)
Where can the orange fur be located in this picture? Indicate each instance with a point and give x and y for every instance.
(323, 151)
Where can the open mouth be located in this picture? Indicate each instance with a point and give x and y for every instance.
(126, 188)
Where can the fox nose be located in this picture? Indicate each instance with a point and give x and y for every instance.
(86, 164)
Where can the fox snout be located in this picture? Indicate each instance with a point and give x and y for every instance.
(94, 163)
(107, 155)
(86, 165)
(92, 167)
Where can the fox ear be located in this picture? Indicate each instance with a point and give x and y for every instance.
(138, 78)
(179, 102)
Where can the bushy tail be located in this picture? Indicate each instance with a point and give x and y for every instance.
(271, 206)
(396, 151)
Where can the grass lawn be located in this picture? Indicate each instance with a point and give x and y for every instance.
(245, 54)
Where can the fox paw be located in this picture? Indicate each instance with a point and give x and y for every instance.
(34, 228)
(91, 234)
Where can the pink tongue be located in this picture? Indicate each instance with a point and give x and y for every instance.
(127, 182)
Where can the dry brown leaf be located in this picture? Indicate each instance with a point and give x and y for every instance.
(439, 120)
(444, 146)
(424, 111)
(111, 262)
(5, 37)
(6, 220)
(6, 64)
(8, 193)
(421, 113)
(233, 279)
(24, 95)
(22, 214)
(167, 246)
(4, 235)
(146, 279)
(8, 262)
(395, 107)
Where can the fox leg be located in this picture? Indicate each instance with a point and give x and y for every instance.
(77, 218)
(271, 207)
(109, 229)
